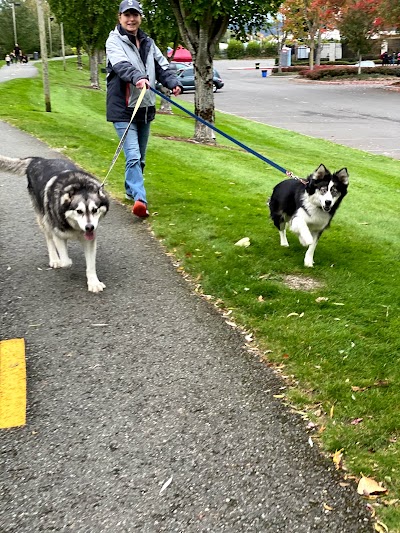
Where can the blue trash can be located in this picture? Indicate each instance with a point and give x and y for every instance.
(264, 73)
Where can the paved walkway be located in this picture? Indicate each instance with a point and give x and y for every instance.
(145, 412)
(19, 70)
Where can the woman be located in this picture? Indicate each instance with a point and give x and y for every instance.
(134, 62)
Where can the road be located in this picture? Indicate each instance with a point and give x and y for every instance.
(360, 116)
(139, 386)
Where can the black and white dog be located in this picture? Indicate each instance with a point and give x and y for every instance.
(68, 203)
(308, 206)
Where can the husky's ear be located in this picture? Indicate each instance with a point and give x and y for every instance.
(343, 176)
(67, 194)
(101, 192)
(319, 173)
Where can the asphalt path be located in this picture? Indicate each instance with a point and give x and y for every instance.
(366, 117)
(146, 410)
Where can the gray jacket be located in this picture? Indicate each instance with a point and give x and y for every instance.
(126, 65)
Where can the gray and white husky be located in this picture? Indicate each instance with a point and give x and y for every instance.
(69, 204)
(307, 206)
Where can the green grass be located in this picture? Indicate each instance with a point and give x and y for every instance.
(207, 198)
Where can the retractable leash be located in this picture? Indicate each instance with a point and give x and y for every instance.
(288, 173)
(122, 140)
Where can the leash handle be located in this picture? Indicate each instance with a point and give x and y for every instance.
(199, 119)
(122, 140)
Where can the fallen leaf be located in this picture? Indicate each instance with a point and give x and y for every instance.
(310, 442)
(292, 314)
(327, 507)
(260, 299)
(245, 242)
(358, 389)
(278, 396)
(381, 383)
(394, 501)
(321, 299)
(331, 411)
(369, 487)
(356, 421)
(337, 458)
(381, 527)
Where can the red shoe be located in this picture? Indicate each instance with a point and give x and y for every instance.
(140, 209)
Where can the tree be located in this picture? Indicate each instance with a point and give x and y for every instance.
(309, 19)
(87, 24)
(357, 24)
(389, 12)
(202, 24)
(27, 34)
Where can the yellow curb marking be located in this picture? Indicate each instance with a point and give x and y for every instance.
(12, 383)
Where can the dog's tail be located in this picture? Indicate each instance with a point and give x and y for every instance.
(16, 166)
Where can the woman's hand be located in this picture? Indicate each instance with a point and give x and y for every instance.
(143, 83)
(176, 90)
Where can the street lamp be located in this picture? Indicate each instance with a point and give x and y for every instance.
(13, 5)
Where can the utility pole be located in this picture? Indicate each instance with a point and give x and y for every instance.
(43, 53)
(63, 45)
(13, 4)
(50, 37)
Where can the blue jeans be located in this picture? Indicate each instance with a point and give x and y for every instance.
(135, 146)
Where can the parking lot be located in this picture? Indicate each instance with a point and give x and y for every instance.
(364, 116)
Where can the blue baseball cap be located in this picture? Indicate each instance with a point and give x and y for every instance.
(127, 5)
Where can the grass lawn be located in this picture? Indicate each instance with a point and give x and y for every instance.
(335, 335)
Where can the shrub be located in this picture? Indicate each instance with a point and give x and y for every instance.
(253, 49)
(269, 49)
(321, 73)
(235, 49)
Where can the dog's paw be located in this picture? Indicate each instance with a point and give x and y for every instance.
(66, 264)
(95, 286)
(285, 244)
(55, 263)
(308, 263)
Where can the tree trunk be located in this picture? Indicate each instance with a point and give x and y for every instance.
(165, 107)
(312, 48)
(204, 95)
(94, 68)
(79, 60)
(319, 49)
(201, 40)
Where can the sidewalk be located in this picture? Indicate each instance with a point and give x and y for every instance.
(18, 70)
(145, 410)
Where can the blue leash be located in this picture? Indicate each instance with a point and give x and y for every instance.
(250, 150)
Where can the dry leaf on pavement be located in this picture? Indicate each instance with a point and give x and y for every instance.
(381, 527)
(337, 458)
(369, 487)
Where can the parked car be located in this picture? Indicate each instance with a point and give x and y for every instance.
(186, 77)
(178, 65)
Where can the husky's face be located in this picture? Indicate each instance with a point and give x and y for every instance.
(84, 214)
(325, 188)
